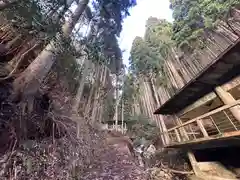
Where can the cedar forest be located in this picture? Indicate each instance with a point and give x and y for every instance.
(61, 59)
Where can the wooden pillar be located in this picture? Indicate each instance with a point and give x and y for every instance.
(194, 163)
(203, 130)
(227, 98)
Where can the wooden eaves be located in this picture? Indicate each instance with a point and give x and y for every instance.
(221, 70)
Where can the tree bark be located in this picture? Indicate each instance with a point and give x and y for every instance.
(62, 10)
(28, 83)
(6, 4)
(78, 96)
(87, 110)
(122, 116)
(103, 90)
(96, 103)
(117, 101)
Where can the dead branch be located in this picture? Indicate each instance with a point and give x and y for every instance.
(180, 172)
(176, 171)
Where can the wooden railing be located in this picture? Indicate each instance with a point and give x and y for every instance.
(214, 123)
(118, 128)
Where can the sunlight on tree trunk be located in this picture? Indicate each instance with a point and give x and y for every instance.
(29, 81)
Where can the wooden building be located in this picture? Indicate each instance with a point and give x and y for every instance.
(204, 109)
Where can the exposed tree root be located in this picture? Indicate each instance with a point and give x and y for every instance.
(18, 63)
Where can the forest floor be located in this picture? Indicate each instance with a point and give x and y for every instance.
(43, 144)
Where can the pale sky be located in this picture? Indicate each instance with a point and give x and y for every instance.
(134, 25)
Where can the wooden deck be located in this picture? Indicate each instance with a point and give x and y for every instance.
(217, 128)
(224, 68)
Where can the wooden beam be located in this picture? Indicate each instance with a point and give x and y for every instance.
(227, 98)
(171, 106)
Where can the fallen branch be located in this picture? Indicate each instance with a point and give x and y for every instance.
(179, 172)
(176, 171)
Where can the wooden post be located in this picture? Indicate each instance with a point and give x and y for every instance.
(177, 134)
(193, 162)
(227, 98)
(203, 130)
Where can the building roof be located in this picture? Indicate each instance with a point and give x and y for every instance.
(224, 68)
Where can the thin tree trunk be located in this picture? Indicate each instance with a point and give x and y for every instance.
(160, 118)
(88, 107)
(116, 106)
(28, 83)
(122, 116)
(81, 84)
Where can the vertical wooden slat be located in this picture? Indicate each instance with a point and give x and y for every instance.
(230, 120)
(215, 124)
(190, 127)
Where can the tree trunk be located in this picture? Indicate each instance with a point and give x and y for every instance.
(81, 84)
(6, 4)
(160, 118)
(97, 95)
(28, 83)
(122, 116)
(62, 10)
(116, 106)
(87, 110)
(103, 90)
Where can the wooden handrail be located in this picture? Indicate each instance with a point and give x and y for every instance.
(205, 115)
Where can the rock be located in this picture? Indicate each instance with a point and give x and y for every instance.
(167, 176)
(161, 173)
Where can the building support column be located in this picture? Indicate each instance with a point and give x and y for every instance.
(227, 98)
(194, 163)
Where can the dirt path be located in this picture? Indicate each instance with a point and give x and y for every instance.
(116, 164)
